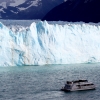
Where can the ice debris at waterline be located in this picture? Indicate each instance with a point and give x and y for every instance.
(43, 43)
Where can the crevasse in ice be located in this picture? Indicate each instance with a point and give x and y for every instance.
(42, 43)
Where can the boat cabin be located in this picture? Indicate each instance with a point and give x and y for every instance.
(78, 85)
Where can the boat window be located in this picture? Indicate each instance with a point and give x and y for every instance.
(68, 82)
(68, 86)
(85, 84)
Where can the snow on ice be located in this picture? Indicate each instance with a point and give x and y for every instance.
(49, 43)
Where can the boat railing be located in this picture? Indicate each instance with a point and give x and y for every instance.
(80, 81)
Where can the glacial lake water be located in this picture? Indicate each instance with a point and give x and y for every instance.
(45, 82)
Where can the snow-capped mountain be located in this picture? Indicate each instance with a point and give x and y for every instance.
(76, 10)
(26, 9)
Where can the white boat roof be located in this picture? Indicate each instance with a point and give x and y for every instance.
(76, 81)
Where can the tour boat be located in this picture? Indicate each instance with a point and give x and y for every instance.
(78, 85)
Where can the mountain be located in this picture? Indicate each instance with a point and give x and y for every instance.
(26, 9)
(76, 10)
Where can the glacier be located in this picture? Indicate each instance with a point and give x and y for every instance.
(45, 42)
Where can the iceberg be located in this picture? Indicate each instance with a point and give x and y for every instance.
(45, 42)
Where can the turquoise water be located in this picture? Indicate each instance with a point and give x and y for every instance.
(45, 82)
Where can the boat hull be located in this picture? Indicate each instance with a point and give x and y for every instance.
(77, 89)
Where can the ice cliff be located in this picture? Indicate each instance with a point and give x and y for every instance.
(43, 43)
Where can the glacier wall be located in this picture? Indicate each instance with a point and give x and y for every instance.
(43, 43)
